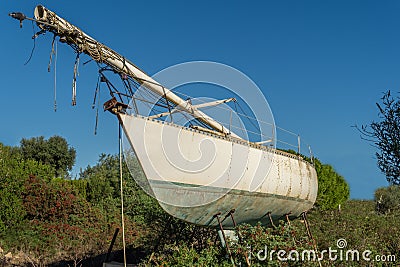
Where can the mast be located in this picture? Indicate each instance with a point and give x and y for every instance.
(81, 42)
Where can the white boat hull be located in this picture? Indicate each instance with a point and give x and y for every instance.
(195, 175)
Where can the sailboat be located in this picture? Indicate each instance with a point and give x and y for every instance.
(202, 168)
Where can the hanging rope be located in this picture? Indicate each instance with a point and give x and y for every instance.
(122, 192)
(96, 92)
(34, 43)
(55, 77)
(74, 79)
(51, 53)
(96, 98)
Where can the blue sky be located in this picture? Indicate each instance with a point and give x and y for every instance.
(322, 65)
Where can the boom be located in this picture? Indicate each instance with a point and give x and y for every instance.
(75, 37)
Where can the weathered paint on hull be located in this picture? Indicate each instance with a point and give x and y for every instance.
(195, 175)
(250, 207)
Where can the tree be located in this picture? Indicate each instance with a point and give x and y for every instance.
(55, 152)
(13, 172)
(385, 135)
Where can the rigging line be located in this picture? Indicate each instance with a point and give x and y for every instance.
(244, 115)
(287, 131)
(97, 95)
(153, 98)
(74, 79)
(34, 44)
(113, 90)
(122, 191)
(286, 143)
(235, 104)
(133, 99)
(97, 115)
(86, 62)
(252, 123)
(186, 114)
(146, 102)
(186, 117)
(51, 53)
(96, 91)
(123, 78)
(55, 77)
(248, 131)
(128, 86)
(110, 86)
(140, 99)
(150, 94)
(169, 108)
(224, 108)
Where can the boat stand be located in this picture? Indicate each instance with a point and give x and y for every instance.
(287, 218)
(222, 235)
(230, 214)
(310, 236)
(111, 245)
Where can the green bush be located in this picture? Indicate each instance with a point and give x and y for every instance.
(387, 199)
(14, 170)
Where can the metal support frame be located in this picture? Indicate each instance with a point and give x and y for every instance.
(111, 245)
(270, 219)
(230, 214)
(222, 230)
(217, 215)
(287, 218)
(310, 236)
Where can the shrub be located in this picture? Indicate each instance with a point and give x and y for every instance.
(13, 172)
(388, 199)
(256, 242)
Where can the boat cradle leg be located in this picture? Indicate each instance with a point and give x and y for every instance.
(307, 225)
(224, 242)
(270, 219)
(287, 217)
(310, 236)
(230, 214)
(221, 232)
(111, 245)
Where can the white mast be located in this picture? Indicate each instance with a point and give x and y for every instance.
(72, 35)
